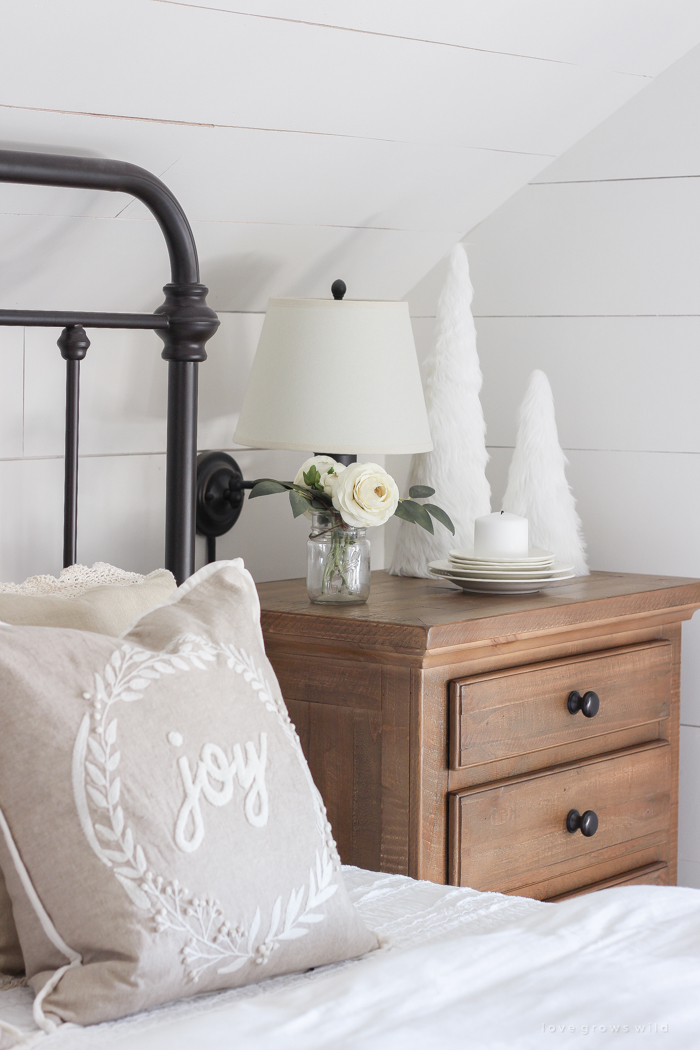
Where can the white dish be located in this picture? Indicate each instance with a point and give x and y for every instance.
(447, 568)
(506, 579)
(477, 586)
(500, 566)
(502, 586)
(535, 556)
(505, 574)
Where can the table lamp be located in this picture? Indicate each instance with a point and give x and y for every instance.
(338, 376)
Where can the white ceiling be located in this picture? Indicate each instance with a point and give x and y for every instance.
(306, 139)
(630, 36)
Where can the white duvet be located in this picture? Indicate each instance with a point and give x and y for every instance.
(466, 969)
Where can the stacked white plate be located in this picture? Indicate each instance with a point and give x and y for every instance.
(532, 572)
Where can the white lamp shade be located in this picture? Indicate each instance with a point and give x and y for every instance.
(335, 376)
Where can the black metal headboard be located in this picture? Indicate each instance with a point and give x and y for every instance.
(184, 322)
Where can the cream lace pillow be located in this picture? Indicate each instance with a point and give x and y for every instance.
(102, 599)
(159, 829)
(76, 579)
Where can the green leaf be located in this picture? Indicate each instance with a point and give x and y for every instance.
(420, 491)
(300, 488)
(319, 499)
(312, 478)
(266, 487)
(413, 512)
(299, 504)
(440, 515)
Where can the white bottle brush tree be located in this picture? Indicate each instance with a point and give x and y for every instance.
(456, 468)
(538, 488)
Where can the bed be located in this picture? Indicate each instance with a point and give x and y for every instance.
(455, 965)
(460, 968)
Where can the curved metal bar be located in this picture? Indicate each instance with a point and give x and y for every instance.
(94, 173)
(184, 322)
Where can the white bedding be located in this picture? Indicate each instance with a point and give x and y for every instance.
(466, 969)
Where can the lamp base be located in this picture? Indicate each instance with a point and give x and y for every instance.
(339, 457)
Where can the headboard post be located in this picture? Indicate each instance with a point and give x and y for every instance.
(191, 324)
(73, 344)
(184, 323)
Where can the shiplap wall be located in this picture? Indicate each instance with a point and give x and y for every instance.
(592, 273)
(306, 140)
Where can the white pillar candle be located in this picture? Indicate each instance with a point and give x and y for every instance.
(500, 535)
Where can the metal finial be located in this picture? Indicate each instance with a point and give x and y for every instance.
(339, 288)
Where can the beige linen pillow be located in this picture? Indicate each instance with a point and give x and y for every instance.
(102, 599)
(106, 609)
(11, 960)
(160, 832)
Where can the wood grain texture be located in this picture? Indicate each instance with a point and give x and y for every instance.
(572, 751)
(616, 865)
(674, 633)
(343, 749)
(370, 692)
(367, 825)
(396, 785)
(515, 831)
(524, 709)
(431, 791)
(299, 714)
(421, 615)
(649, 875)
(342, 682)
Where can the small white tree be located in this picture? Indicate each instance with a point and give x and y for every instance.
(537, 485)
(456, 468)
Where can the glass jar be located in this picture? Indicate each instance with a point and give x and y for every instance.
(338, 562)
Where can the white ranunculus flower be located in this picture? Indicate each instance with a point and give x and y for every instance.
(329, 479)
(323, 465)
(365, 495)
(320, 462)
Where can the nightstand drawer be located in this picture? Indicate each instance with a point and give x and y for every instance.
(512, 836)
(655, 874)
(523, 710)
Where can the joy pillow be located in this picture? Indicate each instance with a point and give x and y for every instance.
(160, 832)
(102, 598)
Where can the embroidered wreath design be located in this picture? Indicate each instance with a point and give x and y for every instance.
(211, 938)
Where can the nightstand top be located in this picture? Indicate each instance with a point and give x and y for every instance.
(417, 614)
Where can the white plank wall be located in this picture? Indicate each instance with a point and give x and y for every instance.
(592, 273)
(306, 140)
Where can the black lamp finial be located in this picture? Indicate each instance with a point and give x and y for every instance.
(339, 288)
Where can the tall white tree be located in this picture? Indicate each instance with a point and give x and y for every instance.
(456, 468)
(538, 488)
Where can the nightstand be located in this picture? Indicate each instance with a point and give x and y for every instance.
(520, 743)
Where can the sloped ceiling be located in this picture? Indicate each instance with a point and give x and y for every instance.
(306, 139)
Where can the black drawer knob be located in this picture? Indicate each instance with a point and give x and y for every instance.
(589, 703)
(586, 823)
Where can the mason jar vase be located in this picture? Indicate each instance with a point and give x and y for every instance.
(338, 562)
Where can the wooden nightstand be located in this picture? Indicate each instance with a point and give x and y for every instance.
(438, 729)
